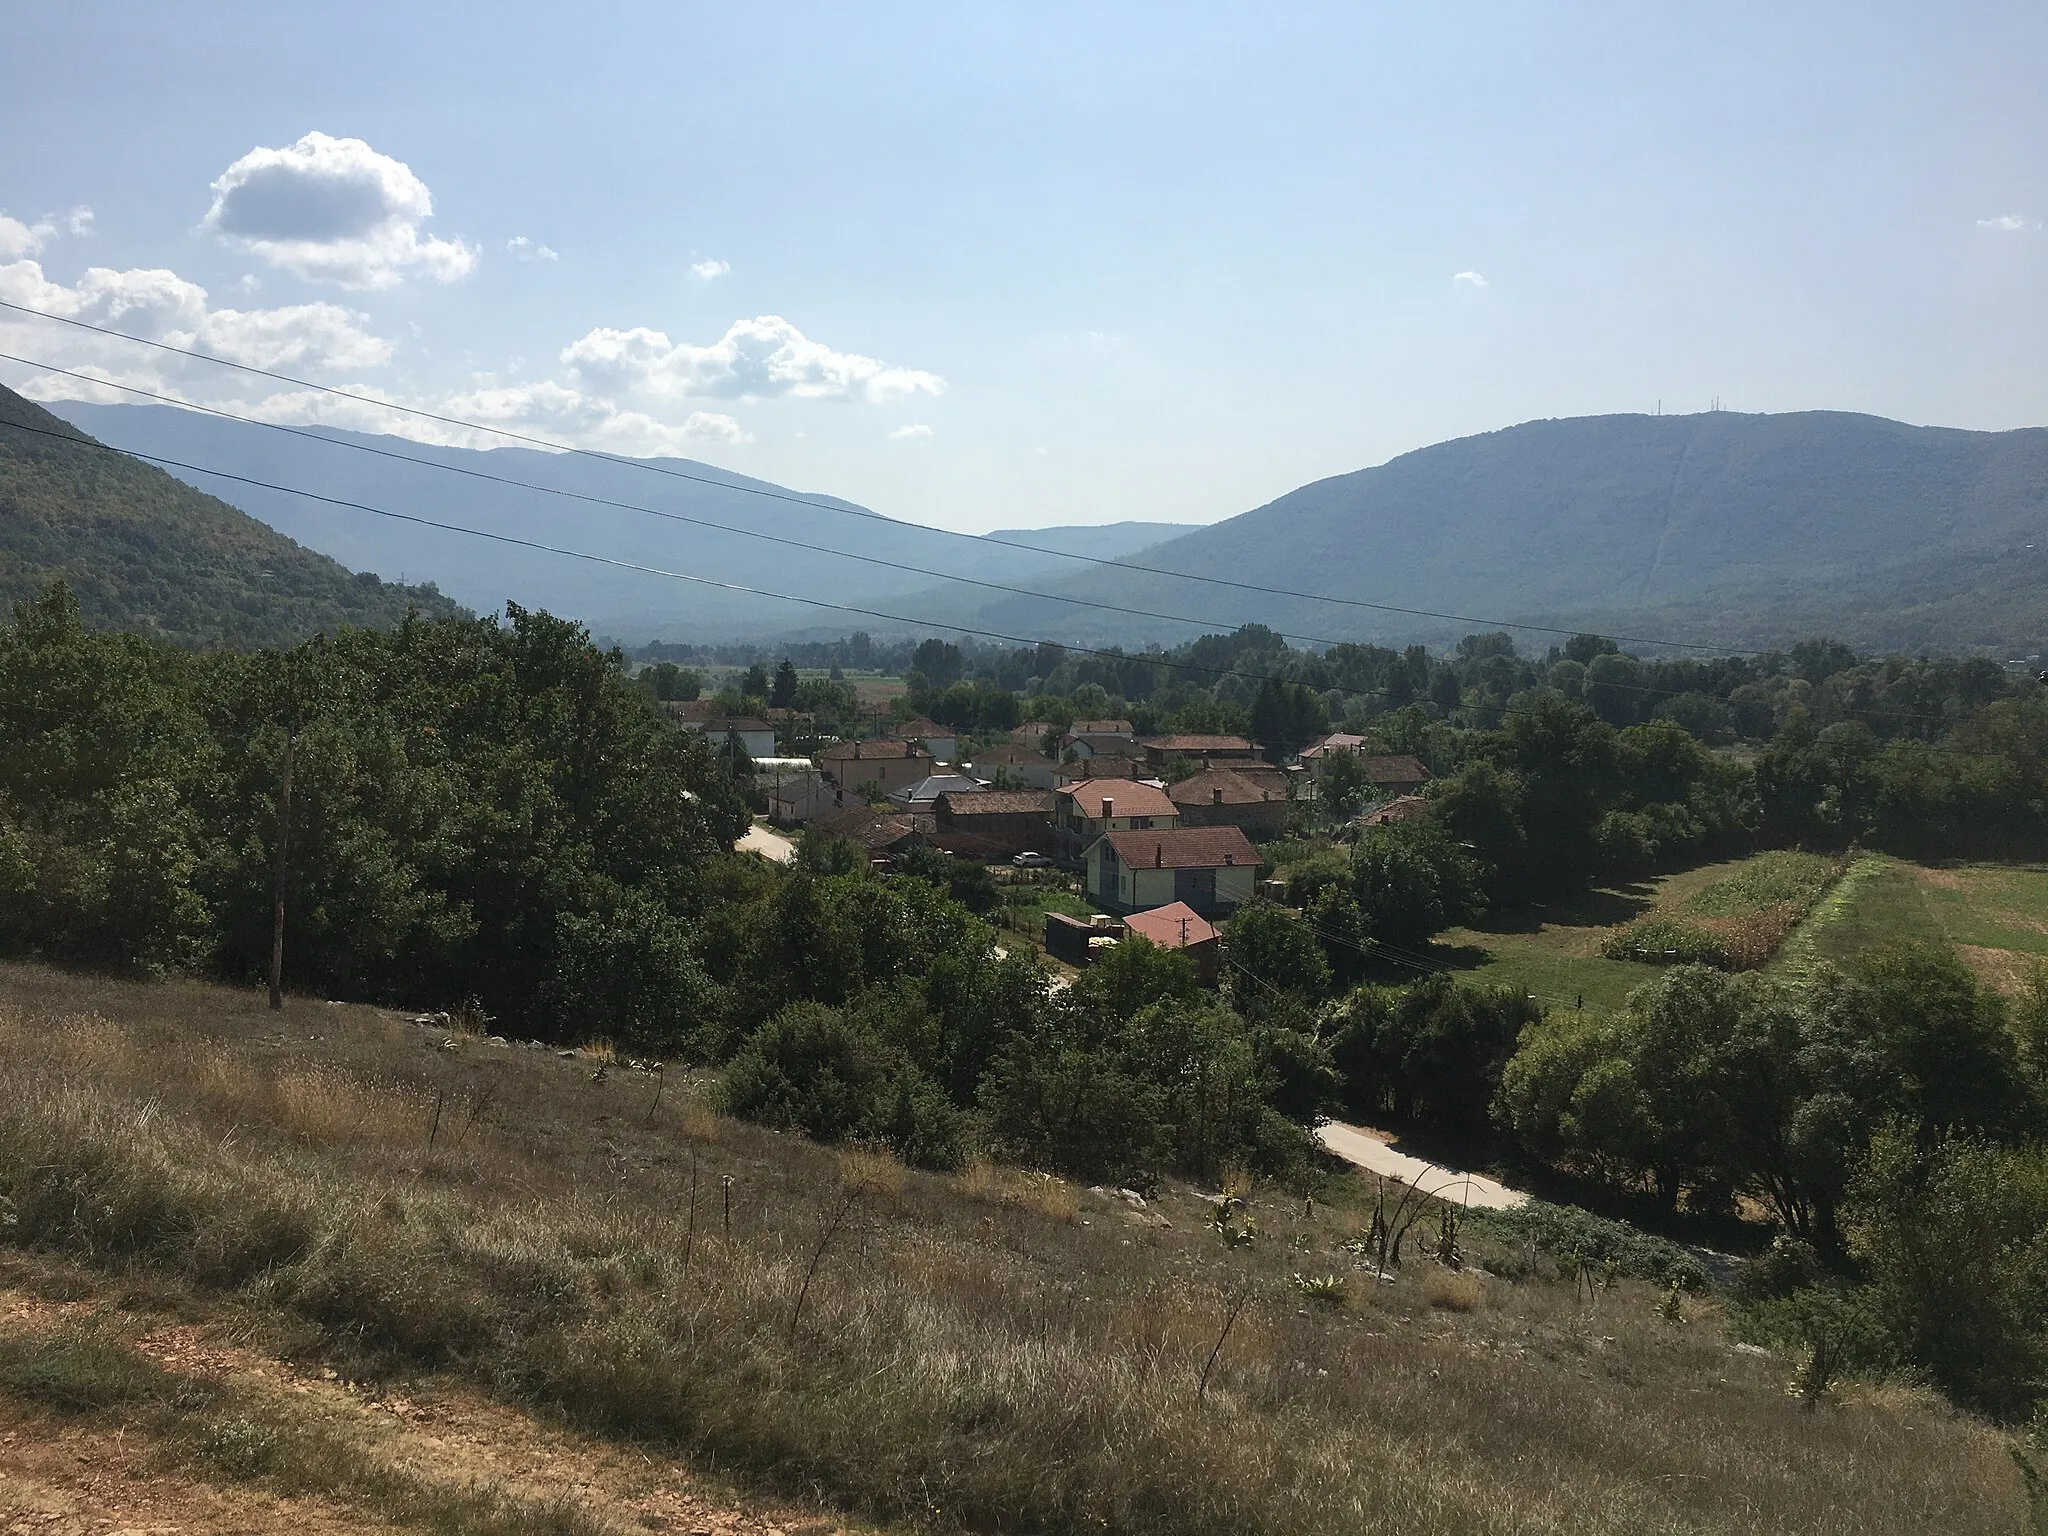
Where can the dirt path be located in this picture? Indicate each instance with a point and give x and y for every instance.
(1375, 1152)
(63, 1475)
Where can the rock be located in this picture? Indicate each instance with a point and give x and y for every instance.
(1131, 1198)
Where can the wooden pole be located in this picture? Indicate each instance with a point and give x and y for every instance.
(277, 870)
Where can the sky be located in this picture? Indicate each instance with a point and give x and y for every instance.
(1010, 265)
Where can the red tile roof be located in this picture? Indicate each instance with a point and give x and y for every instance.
(1185, 848)
(1237, 790)
(996, 802)
(870, 751)
(1010, 754)
(1395, 770)
(1173, 926)
(1100, 728)
(1407, 808)
(1128, 797)
(1198, 744)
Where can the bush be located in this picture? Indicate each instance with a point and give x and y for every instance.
(1563, 1230)
(814, 1069)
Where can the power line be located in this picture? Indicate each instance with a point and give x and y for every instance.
(824, 506)
(77, 440)
(1208, 626)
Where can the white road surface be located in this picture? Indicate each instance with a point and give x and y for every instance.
(1373, 1152)
(769, 844)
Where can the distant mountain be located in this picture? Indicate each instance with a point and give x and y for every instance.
(627, 604)
(1740, 529)
(146, 552)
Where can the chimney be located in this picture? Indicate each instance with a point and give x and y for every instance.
(1216, 795)
(1108, 808)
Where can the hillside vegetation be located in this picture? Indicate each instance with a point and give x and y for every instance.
(1729, 529)
(145, 552)
(426, 1212)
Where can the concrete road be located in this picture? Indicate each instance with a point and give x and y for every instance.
(767, 842)
(1375, 1152)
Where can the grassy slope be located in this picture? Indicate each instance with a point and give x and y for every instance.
(146, 552)
(984, 1352)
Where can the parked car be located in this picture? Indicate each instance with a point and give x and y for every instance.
(1030, 860)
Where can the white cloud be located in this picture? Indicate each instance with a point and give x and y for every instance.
(528, 250)
(709, 268)
(762, 358)
(162, 306)
(2009, 223)
(78, 221)
(915, 429)
(323, 341)
(18, 239)
(1471, 280)
(334, 210)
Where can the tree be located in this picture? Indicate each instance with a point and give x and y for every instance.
(1342, 785)
(937, 662)
(782, 692)
(1271, 951)
(1410, 882)
(754, 685)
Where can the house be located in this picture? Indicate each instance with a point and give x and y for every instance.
(1083, 812)
(993, 825)
(1027, 765)
(1102, 728)
(1221, 749)
(891, 764)
(884, 834)
(1220, 797)
(1179, 926)
(922, 795)
(1086, 745)
(757, 737)
(939, 740)
(1317, 754)
(1405, 808)
(1215, 870)
(798, 793)
(1395, 775)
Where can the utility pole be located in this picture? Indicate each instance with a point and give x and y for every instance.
(277, 869)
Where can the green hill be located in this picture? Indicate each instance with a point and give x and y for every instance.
(146, 552)
(1738, 529)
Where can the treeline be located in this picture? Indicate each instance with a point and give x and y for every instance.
(477, 811)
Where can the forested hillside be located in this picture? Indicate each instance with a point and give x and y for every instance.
(145, 552)
(1731, 529)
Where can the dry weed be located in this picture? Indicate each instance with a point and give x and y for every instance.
(1454, 1291)
(1046, 1194)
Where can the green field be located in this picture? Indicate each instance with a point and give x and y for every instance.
(1996, 916)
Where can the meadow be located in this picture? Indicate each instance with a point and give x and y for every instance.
(420, 1213)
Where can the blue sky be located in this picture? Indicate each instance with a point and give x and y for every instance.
(987, 266)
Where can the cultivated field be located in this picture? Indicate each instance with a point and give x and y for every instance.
(1996, 916)
(394, 1275)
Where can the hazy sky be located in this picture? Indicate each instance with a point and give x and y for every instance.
(986, 266)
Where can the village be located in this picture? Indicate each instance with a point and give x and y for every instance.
(1156, 837)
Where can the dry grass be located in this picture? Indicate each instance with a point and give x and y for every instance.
(1454, 1291)
(975, 1352)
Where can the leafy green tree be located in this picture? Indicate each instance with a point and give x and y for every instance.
(754, 684)
(1272, 952)
(1342, 786)
(1410, 881)
(782, 692)
(1952, 1235)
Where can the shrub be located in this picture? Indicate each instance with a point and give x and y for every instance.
(1564, 1229)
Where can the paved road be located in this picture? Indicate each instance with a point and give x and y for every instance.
(1370, 1150)
(768, 843)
